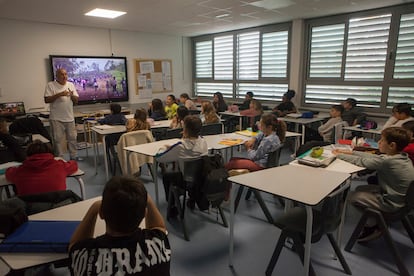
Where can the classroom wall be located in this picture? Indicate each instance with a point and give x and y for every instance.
(25, 48)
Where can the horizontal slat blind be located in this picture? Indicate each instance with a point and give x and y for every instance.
(368, 96)
(274, 54)
(262, 91)
(203, 59)
(404, 60)
(248, 56)
(207, 89)
(223, 57)
(400, 95)
(367, 47)
(326, 52)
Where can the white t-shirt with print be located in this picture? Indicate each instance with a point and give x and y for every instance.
(62, 108)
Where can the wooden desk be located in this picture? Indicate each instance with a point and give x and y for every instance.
(151, 149)
(305, 185)
(76, 212)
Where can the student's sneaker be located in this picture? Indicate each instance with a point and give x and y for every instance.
(369, 234)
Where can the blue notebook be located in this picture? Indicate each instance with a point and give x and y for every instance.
(40, 236)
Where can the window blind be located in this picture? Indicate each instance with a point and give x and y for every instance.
(274, 54)
(223, 57)
(203, 59)
(404, 60)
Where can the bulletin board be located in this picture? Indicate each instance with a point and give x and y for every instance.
(152, 76)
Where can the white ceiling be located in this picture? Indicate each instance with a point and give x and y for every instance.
(182, 17)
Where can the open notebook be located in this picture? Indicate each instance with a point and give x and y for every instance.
(322, 161)
(40, 236)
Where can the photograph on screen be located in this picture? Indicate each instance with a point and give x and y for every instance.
(12, 109)
(97, 79)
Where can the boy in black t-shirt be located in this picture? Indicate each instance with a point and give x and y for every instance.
(125, 249)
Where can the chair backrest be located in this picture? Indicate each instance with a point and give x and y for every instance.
(174, 133)
(329, 216)
(135, 160)
(45, 201)
(192, 171)
(409, 197)
(210, 129)
(273, 158)
(338, 130)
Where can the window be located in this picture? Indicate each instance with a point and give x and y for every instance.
(368, 56)
(240, 61)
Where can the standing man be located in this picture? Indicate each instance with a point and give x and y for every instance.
(62, 95)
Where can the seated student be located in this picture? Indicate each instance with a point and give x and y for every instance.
(125, 248)
(115, 118)
(139, 122)
(178, 120)
(395, 172)
(272, 135)
(401, 113)
(219, 103)
(157, 110)
(10, 150)
(208, 113)
(246, 103)
(326, 130)
(255, 109)
(287, 106)
(171, 106)
(409, 149)
(191, 146)
(40, 172)
(352, 114)
(187, 102)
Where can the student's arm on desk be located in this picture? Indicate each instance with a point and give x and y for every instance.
(153, 217)
(86, 227)
(362, 159)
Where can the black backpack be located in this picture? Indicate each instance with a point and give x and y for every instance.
(215, 176)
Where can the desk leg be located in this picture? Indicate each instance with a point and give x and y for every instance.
(309, 222)
(105, 158)
(231, 244)
(81, 186)
(303, 133)
(155, 178)
(241, 123)
(95, 151)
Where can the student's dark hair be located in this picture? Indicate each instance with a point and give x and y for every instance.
(192, 125)
(182, 111)
(158, 106)
(290, 94)
(184, 95)
(338, 107)
(351, 101)
(38, 146)
(115, 108)
(402, 108)
(250, 93)
(279, 126)
(172, 97)
(140, 114)
(409, 126)
(124, 200)
(400, 136)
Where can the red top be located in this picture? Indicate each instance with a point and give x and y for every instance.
(41, 173)
(410, 151)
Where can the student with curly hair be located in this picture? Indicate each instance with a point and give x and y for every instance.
(208, 113)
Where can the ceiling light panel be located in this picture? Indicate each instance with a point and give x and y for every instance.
(105, 13)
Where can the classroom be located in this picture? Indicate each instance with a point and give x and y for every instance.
(325, 50)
